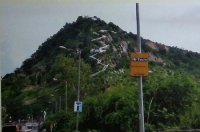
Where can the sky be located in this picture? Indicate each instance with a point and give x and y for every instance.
(24, 26)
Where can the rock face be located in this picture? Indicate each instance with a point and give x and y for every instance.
(156, 46)
(109, 38)
(124, 46)
(153, 58)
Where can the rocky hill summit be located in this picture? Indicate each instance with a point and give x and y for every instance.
(108, 42)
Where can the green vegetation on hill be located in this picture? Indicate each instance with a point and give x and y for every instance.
(110, 98)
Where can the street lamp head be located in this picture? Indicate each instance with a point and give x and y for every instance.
(77, 50)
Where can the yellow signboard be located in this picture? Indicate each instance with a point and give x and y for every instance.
(139, 64)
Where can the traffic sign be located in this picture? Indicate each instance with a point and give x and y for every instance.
(77, 106)
(139, 64)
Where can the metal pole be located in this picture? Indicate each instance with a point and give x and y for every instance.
(60, 104)
(56, 108)
(141, 110)
(138, 29)
(0, 109)
(66, 97)
(32, 122)
(79, 65)
(78, 91)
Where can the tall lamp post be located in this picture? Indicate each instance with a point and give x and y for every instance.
(44, 114)
(66, 97)
(54, 79)
(78, 90)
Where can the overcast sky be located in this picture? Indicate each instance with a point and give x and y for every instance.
(26, 26)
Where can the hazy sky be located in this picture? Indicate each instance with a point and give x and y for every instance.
(25, 26)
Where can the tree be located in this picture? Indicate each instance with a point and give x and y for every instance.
(167, 97)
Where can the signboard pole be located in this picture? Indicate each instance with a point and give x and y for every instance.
(141, 110)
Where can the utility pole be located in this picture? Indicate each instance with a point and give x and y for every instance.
(66, 97)
(1, 108)
(56, 108)
(141, 110)
(60, 104)
(78, 91)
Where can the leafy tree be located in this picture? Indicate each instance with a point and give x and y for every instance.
(163, 104)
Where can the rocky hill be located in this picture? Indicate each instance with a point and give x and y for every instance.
(107, 90)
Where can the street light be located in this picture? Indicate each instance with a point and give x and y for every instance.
(28, 116)
(66, 97)
(78, 90)
(44, 114)
(55, 79)
(10, 119)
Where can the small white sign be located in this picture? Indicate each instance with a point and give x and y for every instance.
(77, 106)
